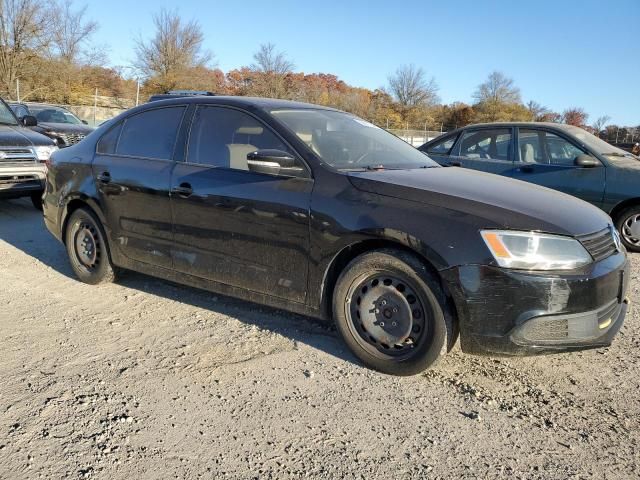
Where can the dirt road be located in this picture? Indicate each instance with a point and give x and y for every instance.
(144, 379)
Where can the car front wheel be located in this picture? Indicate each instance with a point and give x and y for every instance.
(628, 224)
(392, 312)
(87, 249)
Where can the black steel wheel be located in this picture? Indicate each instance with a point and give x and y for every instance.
(87, 249)
(392, 312)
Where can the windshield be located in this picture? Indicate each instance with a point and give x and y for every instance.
(595, 143)
(347, 142)
(6, 115)
(50, 114)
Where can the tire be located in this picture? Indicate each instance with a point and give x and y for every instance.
(395, 287)
(36, 199)
(87, 249)
(624, 221)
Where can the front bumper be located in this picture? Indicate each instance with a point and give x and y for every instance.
(20, 180)
(510, 312)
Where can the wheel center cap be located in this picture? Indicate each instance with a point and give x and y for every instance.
(386, 315)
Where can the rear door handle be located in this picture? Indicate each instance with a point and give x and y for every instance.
(183, 190)
(104, 177)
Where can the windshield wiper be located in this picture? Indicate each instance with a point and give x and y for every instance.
(617, 154)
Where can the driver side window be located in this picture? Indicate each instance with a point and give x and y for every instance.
(223, 137)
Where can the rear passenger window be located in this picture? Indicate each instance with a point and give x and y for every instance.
(443, 147)
(151, 134)
(222, 137)
(489, 144)
(107, 144)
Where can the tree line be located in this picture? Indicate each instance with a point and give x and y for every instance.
(47, 54)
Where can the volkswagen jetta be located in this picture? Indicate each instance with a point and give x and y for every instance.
(319, 212)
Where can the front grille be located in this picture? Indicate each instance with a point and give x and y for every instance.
(17, 155)
(8, 181)
(71, 138)
(600, 245)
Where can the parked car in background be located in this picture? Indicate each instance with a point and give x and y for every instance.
(23, 157)
(320, 212)
(557, 156)
(55, 122)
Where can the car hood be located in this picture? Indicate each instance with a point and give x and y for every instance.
(17, 136)
(66, 128)
(496, 201)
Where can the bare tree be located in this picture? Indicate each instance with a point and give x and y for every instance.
(267, 60)
(538, 111)
(498, 88)
(176, 47)
(599, 124)
(269, 71)
(411, 88)
(25, 32)
(72, 31)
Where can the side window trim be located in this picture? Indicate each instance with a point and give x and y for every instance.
(309, 174)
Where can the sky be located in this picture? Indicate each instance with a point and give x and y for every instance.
(561, 53)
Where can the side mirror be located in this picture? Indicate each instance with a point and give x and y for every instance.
(85, 122)
(29, 121)
(273, 162)
(586, 161)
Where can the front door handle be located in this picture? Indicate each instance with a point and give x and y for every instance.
(183, 190)
(526, 168)
(455, 164)
(104, 177)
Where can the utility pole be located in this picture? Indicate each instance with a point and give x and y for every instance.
(18, 89)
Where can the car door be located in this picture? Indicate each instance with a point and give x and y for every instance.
(440, 149)
(547, 158)
(485, 149)
(233, 225)
(132, 170)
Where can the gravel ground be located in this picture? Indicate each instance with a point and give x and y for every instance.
(145, 379)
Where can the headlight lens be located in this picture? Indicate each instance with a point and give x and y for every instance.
(44, 152)
(535, 251)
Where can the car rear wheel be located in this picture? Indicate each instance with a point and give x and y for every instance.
(87, 249)
(392, 312)
(628, 224)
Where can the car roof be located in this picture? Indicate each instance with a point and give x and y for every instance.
(256, 102)
(551, 125)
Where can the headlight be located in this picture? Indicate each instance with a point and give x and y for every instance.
(535, 251)
(43, 153)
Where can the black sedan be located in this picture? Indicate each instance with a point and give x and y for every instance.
(319, 212)
(562, 157)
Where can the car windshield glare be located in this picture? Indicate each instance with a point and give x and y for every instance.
(6, 115)
(346, 142)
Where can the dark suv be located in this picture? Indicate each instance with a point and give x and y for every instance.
(562, 157)
(320, 212)
(57, 123)
(23, 157)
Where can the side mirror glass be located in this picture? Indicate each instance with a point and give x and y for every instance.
(273, 162)
(586, 161)
(29, 121)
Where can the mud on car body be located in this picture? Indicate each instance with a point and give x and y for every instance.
(316, 211)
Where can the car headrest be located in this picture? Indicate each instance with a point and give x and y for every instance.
(249, 131)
